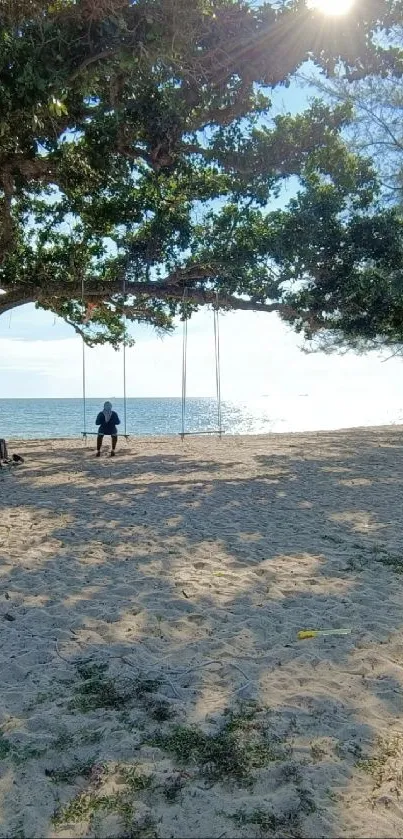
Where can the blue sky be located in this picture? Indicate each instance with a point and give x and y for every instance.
(40, 356)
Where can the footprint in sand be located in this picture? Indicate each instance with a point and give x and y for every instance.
(196, 618)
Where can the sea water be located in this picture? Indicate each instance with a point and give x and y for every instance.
(46, 418)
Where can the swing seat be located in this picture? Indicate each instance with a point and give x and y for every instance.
(95, 434)
(218, 431)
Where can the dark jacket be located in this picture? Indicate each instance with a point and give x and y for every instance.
(107, 427)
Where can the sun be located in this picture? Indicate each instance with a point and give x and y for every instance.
(335, 8)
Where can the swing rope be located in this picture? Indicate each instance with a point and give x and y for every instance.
(217, 364)
(184, 361)
(83, 371)
(124, 363)
(216, 321)
(85, 433)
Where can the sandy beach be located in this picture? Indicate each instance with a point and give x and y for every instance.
(152, 680)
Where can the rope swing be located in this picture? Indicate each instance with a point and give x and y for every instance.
(86, 433)
(217, 364)
(183, 433)
(124, 362)
(217, 430)
(184, 360)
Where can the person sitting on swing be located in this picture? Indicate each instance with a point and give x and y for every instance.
(107, 421)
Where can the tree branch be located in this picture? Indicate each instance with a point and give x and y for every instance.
(143, 291)
(39, 169)
(7, 231)
(92, 59)
(76, 328)
(165, 291)
(13, 300)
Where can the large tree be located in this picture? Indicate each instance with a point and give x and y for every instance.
(138, 156)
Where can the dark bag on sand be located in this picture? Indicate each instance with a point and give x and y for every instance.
(3, 450)
(17, 458)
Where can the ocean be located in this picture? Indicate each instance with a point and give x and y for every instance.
(47, 418)
(44, 418)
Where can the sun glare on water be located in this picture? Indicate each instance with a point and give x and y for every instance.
(331, 7)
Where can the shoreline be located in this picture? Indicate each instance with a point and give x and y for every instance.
(270, 435)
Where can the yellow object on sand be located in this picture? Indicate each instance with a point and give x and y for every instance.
(316, 633)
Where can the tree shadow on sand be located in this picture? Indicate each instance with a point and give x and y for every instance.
(184, 578)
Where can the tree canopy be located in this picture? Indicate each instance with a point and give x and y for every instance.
(376, 126)
(139, 156)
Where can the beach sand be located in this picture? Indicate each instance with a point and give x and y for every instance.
(152, 682)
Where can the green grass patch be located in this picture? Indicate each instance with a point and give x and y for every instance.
(268, 822)
(90, 738)
(173, 787)
(307, 802)
(392, 561)
(84, 806)
(24, 753)
(19, 754)
(18, 831)
(64, 741)
(68, 774)
(88, 807)
(291, 772)
(97, 690)
(378, 765)
(146, 829)
(135, 780)
(161, 711)
(239, 747)
(376, 552)
(91, 805)
(318, 753)
(5, 746)
(143, 687)
(382, 555)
